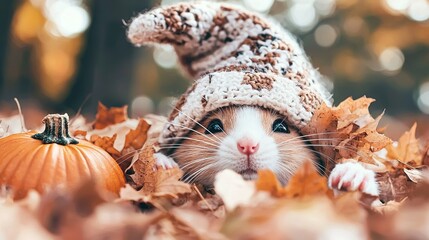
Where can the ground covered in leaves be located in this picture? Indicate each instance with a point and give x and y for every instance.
(157, 205)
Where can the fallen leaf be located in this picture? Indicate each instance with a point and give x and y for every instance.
(106, 143)
(138, 136)
(307, 182)
(394, 185)
(233, 189)
(408, 149)
(345, 131)
(109, 116)
(267, 181)
(414, 175)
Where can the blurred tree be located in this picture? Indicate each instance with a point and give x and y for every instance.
(7, 9)
(106, 68)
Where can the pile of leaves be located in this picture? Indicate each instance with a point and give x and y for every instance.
(155, 204)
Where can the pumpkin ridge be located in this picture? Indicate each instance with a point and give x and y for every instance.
(84, 158)
(81, 162)
(23, 179)
(39, 186)
(107, 167)
(114, 168)
(20, 152)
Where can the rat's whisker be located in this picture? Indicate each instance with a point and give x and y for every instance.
(199, 124)
(192, 139)
(196, 161)
(187, 146)
(190, 129)
(194, 175)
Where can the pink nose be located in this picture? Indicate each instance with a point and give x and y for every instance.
(247, 146)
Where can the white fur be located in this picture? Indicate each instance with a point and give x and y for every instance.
(248, 124)
(163, 162)
(352, 175)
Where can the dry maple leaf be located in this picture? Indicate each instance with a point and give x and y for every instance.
(114, 132)
(141, 171)
(106, 143)
(267, 181)
(137, 137)
(166, 186)
(307, 182)
(408, 149)
(109, 116)
(346, 131)
(394, 185)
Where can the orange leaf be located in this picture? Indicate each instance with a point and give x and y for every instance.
(137, 137)
(408, 148)
(267, 181)
(106, 143)
(108, 116)
(307, 182)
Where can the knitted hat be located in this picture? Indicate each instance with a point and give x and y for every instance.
(237, 58)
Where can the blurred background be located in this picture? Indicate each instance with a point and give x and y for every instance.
(66, 55)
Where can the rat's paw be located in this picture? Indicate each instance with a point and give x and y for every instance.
(351, 176)
(163, 162)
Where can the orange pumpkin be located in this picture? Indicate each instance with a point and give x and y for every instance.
(53, 159)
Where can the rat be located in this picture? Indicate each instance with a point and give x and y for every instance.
(254, 92)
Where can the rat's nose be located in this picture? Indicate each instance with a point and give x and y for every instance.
(247, 146)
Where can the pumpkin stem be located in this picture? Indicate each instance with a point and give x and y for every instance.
(56, 130)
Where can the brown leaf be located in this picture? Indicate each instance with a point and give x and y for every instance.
(408, 149)
(346, 131)
(137, 137)
(153, 184)
(106, 143)
(141, 172)
(267, 181)
(394, 185)
(353, 111)
(109, 116)
(307, 182)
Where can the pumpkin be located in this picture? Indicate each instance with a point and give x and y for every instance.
(53, 159)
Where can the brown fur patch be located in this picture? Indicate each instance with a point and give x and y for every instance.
(258, 81)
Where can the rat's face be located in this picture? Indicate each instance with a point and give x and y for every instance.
(244, 139)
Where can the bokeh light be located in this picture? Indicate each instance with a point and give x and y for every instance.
(303, 15)
(258, 5)
(142, 105)
(69, 18)
(391, 59)
(325, 35)
(165, 56)
(419, 10)
(423, 97)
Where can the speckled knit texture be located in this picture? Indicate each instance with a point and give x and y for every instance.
(237, 58)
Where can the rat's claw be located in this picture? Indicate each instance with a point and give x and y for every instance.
(351, 176)
(163, 162)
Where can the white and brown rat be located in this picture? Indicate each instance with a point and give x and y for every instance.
(247, 139)
(254, 90)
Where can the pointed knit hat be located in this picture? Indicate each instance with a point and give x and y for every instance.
(236, 58)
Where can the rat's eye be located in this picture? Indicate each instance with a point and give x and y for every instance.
(214, 126)
(280, 126)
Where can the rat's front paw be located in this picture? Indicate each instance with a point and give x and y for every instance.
(163, 162)
(351, 176)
